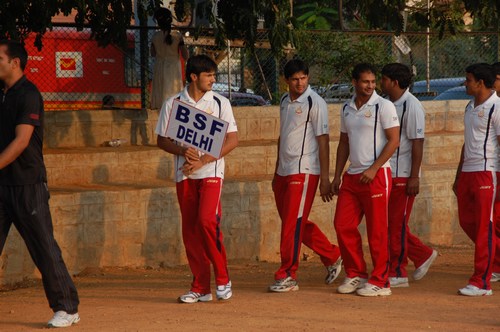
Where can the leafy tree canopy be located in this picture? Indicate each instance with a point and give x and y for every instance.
(238, 19)
(107, 19)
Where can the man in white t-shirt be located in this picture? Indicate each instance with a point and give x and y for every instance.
(303, 161)
(475, 182)
(199, 183)
(369, 135)
(405, 168)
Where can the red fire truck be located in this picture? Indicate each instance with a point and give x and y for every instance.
(72, 72)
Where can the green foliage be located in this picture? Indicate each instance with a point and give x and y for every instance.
(486, 11)
(107, 19)
(316, 15)
(238, 19)
(336, 53)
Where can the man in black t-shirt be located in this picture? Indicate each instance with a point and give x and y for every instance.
(24, 194)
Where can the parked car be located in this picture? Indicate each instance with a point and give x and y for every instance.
(456, 93)
(334, 92)
(223, 87)
(244, 99)
(436, 87)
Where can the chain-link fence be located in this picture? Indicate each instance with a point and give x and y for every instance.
(72, 72)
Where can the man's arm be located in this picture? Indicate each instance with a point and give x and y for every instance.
(417, 151)
(459, 169)
(392, 135)
(17, 146)
(230, 143)
(342, 156)
(324, 165)
(169, 146)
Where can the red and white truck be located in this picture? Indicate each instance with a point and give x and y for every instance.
(72, 72)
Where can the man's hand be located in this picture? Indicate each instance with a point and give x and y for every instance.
(191, 166)
(191, 154)
(413, 186)
(335, 186)
(324, 190)
(368, 175)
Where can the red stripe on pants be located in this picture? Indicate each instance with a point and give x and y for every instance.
(355, 200)
(294, 196)
(402, 243)
(475, 197)
(199, 202)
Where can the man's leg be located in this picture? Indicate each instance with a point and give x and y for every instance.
(315, 239)
(34, 223)
(5, 218)
(347, 218)
(418, 252)
(496, 262)
(297, 196)
(209, 215)
(484, 229)
(187, 195)
(375, 206)
(399, 213)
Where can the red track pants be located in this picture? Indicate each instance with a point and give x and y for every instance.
(199, 202)
(402, 243)
(475, 197)
(496, 262)
(294, 195)
(356, 199)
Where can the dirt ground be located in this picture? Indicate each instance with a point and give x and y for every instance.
(123, 299)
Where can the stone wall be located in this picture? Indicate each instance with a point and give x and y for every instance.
(118, 206)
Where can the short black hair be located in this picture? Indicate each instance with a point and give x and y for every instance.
(482, 71)
(496, 68)
(363, 68)
(198, 64)
(295, 66)
(398, 72)
(16, 49)
(163, 16)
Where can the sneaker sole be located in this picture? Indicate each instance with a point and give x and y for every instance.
(284, 290)
(55, 326)
(194, 301)
(384, 293)
(488, 293)
(225, 297)
(361, 285)
(401, 285)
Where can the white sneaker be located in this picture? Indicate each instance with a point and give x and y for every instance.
(284, 285)
(495, 276)
(333, 271)
(372, 290)
(421, 271)
(351, 284)
(193, 297)
(471, 290)
(224, 292)
(63, 319)
(399, 282)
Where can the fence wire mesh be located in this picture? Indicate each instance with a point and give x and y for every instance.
(72, 72)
